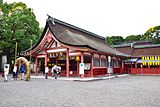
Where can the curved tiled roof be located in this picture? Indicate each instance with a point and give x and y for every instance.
(73, 36)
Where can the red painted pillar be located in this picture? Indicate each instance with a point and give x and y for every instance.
(131, 68)
(91, 65)
(46, 58)
(56, 60)
(36, 73)
(82, 61)
(77, 68)
(67, 63)
(141, 69)
(121, 68)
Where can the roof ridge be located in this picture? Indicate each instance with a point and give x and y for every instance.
(77, 28)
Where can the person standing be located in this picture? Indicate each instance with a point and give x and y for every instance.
(15, 72)
(22, 69)
(46, 72)
(6, 71)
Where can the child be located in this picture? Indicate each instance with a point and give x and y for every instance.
(6, 71)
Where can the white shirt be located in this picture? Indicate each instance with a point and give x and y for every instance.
(15, 69)
(57, 68)
(6, 71)
(46, 70)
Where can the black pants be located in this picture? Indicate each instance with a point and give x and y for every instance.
(46, 75)
(55, 74)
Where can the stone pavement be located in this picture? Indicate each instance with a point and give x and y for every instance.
(128, 91)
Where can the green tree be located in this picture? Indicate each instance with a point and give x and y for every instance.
(18, 24)
(133, 38)
(114, 40)
(152, 34)
(1, 2)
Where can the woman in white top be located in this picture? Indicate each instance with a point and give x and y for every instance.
(15, 72)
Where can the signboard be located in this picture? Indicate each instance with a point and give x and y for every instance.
(81, 68)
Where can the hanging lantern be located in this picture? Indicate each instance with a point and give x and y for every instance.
(155, 58)
(150, 58)
(142, 58)
(153, 63)
(143, 63)
(145, 58)
(77, 58)
(48, 60)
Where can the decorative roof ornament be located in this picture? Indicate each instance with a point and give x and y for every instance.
(51, 19)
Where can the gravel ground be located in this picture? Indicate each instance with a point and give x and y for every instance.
(130, 91)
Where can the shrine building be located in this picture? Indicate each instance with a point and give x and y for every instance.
(144, 57)
(69, 46)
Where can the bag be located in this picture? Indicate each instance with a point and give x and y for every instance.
(2, 74)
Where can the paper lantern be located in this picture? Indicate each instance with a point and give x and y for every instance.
(155, 58)
(152, 63)
(143, 63)
(150, 58)
(77, 58)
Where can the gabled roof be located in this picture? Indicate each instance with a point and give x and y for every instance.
(140, 50)
(73, 36)
(149, 51)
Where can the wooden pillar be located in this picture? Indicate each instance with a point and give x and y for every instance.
(131, 68)
(46, 58)
(91, 65)
(82, 61)
(77, 68)
(56, 59)
(121, 68)
(67, 63)
(36, 73)
(141, 69)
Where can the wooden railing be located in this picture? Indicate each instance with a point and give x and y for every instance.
(99, 71)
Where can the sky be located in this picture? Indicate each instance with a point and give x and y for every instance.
(102, 17)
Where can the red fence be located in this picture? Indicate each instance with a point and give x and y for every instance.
(99, 71)
(145, 70)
